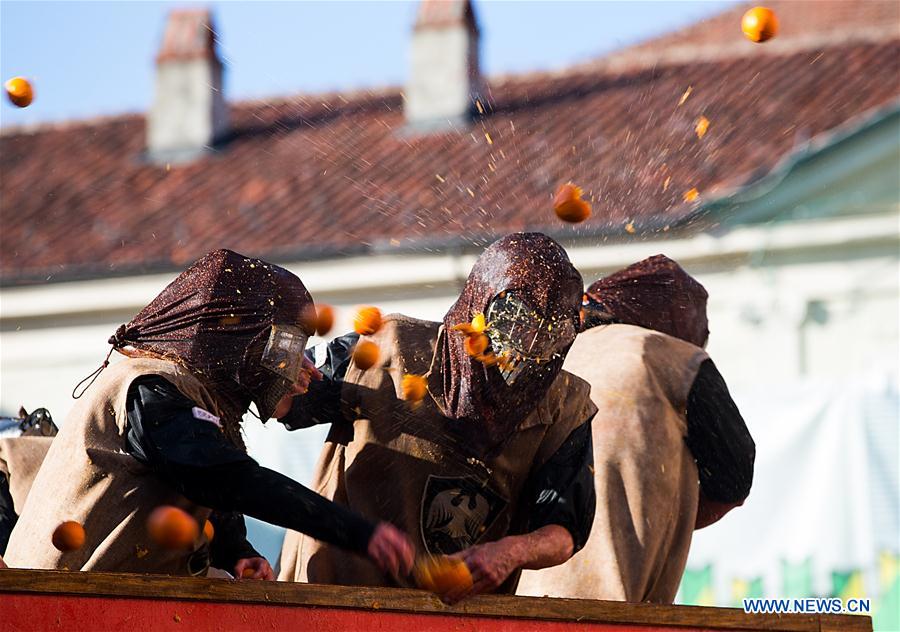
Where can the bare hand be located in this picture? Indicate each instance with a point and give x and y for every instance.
(490, 564)
(3, 564)
(391, 550)
(259, 565)
(308, 373)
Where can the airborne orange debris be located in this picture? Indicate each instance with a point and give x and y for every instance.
(569, 206)
(367, 320)
(68, 536)
(365, 354)
(702, 126)
(442, 574)
(477, 325)
(690, 196)
(172, 528)
(19, 91)
(759, 24)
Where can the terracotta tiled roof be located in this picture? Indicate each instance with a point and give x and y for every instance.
(336, 174)
(803, 24)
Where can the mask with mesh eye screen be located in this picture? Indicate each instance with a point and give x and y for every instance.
(488, 408)
(521, 335)
(234, 322)
(283, 354)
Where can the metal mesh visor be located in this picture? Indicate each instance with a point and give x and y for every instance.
(283, 358)
(521, 334)
(487, 407)
(283, 354)
(218, 318)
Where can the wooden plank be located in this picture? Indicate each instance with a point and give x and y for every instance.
(74, 613)
(411, 601)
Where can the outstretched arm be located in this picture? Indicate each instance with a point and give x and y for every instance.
(321, 403)
(193, 456)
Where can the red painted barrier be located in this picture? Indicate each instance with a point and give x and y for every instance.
(53, 600)
(28, 613)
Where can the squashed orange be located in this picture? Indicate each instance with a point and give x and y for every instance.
(367, 320)
(68, 536)
(759, 24)
(365, 354)
(477, 325)
(442, 574)
(172, 528)
(569, 206)
(475, 345)
(19, 91)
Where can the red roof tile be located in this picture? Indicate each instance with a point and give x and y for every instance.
(337, 174)
(803, 24)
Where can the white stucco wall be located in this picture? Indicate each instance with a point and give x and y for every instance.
(812, 298)
(807, 299)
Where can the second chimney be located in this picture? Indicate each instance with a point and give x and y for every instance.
(444, 80)
(189, 113)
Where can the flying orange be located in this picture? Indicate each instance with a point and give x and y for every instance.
(19, 91)
(365, 354)
(759, 24)
(68, 536)
(367, 320)
(172, 528)
(324, 319)
(413, 387)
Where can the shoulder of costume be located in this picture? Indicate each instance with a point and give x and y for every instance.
(399, 325)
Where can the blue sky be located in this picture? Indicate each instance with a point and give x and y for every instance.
(96, 58)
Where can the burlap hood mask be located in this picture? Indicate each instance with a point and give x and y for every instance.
(656, 294)
(535, 272)
(235, 322)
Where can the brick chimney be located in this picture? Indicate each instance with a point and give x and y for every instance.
(189, 112)
(444, 79)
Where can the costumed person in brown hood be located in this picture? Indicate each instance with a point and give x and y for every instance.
(163, 427)
(493, 465)
(24, 441)
(671, 450)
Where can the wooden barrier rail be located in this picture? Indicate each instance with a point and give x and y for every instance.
(58, 600)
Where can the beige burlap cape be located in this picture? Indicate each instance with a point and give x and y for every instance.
(645, 476)
(87, 477)
(397, 462)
